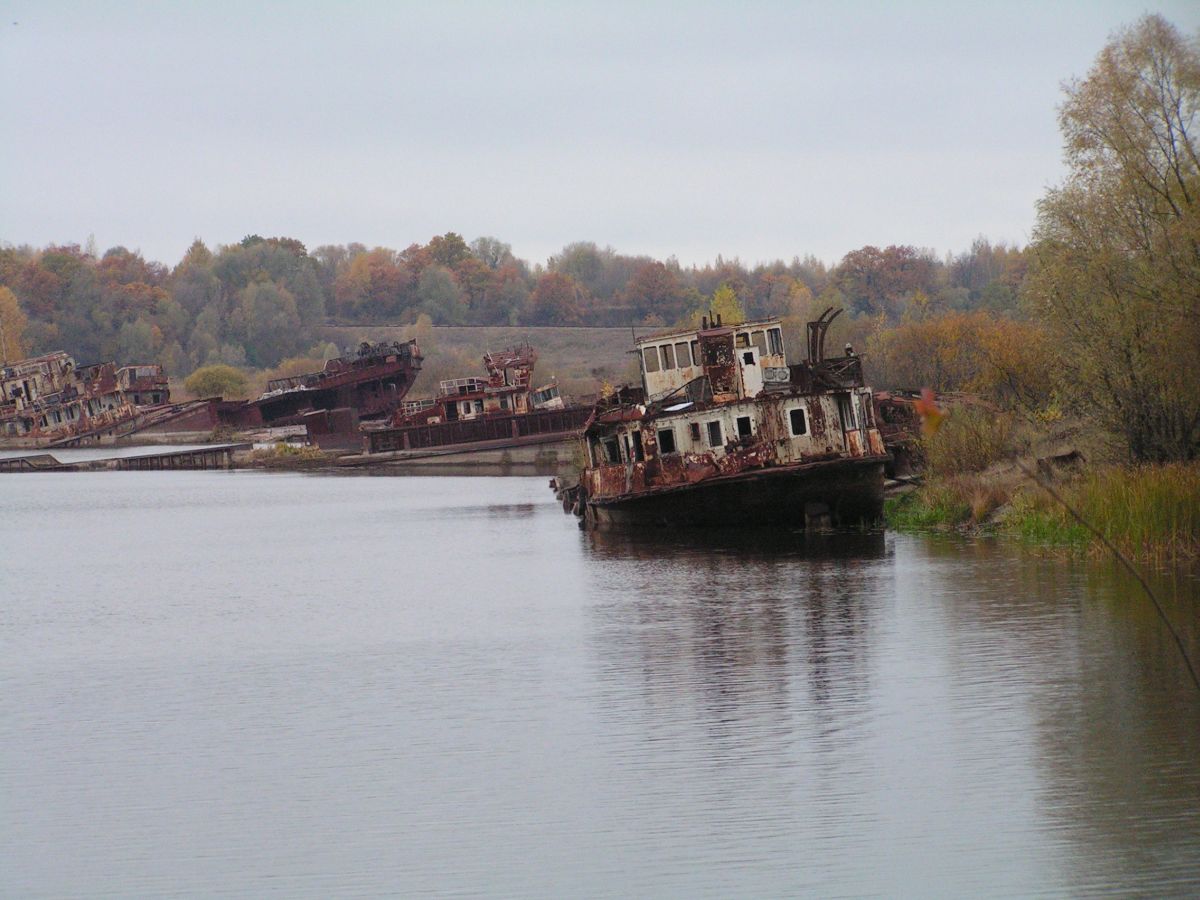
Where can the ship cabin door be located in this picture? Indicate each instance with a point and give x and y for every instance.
(451, 408)
(749, 365)
(851, 423)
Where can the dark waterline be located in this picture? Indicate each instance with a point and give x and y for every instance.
(277, 685)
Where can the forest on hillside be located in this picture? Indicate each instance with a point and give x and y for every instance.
(258, 302)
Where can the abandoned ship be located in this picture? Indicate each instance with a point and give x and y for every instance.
(499, 418)
(722, 431)
(49, 400)
(370, 384)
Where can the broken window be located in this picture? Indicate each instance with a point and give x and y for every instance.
(683, 358)
(743, 426)
(714, 434)
(612, 450)
(668, 356)
(743, 339)
(760, 341)
(696, 353)
(799, 426)
(639, 452)
(775, 341)
(695, 430)
(846, 412)
(650, 354)
(666, 440)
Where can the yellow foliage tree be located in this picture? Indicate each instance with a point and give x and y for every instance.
(13, 323)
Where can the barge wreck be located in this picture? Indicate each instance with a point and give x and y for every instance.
(723, 432)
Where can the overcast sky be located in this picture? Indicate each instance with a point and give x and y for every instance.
(759, 130)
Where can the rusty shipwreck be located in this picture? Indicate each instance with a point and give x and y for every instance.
(500, 418)
(723, 431)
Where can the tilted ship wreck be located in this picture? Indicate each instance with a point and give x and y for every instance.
(723, 431)
(372, 383)
(49, 400)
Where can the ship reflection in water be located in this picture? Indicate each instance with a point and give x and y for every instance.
(861, 689)
(439, 686)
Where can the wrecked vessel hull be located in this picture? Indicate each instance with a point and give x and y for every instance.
(843, 493)
(723, 432)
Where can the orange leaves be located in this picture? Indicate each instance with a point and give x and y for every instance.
(931, 414)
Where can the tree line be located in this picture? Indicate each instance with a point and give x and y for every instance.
(257, 302)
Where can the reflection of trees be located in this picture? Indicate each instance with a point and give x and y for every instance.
(1101, 694)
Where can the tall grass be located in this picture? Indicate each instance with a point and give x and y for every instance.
(1148, 512)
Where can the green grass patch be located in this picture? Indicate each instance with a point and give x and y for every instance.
(930, 507)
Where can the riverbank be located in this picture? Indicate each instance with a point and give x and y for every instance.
(1151, 513)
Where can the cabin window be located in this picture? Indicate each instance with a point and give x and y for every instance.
(612, 450)
(748, 357)
(504, 403)
(743, 339)
(846, 412)
(775, 341)
(668, 356)
(666, 440)
(743, 426)
(799, 426)
(466, 407)
(696, 353)
(478, 406)
(695, 430)
(683, 358)
(639, 452)
(650, 355)
(714, 434)
(760, 341)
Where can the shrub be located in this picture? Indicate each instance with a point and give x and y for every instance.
(216, 381)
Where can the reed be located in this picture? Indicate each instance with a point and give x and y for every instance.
(1148, 512)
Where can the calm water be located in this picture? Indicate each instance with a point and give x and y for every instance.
(281, 685)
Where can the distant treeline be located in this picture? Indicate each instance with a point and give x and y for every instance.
(257, 302)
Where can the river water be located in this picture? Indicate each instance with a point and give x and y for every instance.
(258, 684)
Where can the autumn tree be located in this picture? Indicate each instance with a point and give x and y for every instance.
(1117, 254)
(1006, 361)
(655, 290)
(555, 300)
(448, 250)
(13, 323)
(875, 281)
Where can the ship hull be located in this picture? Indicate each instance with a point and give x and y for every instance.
(841, 493)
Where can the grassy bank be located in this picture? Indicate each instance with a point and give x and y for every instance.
(1149, 512)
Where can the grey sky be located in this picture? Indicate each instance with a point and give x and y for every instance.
(758, 130)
